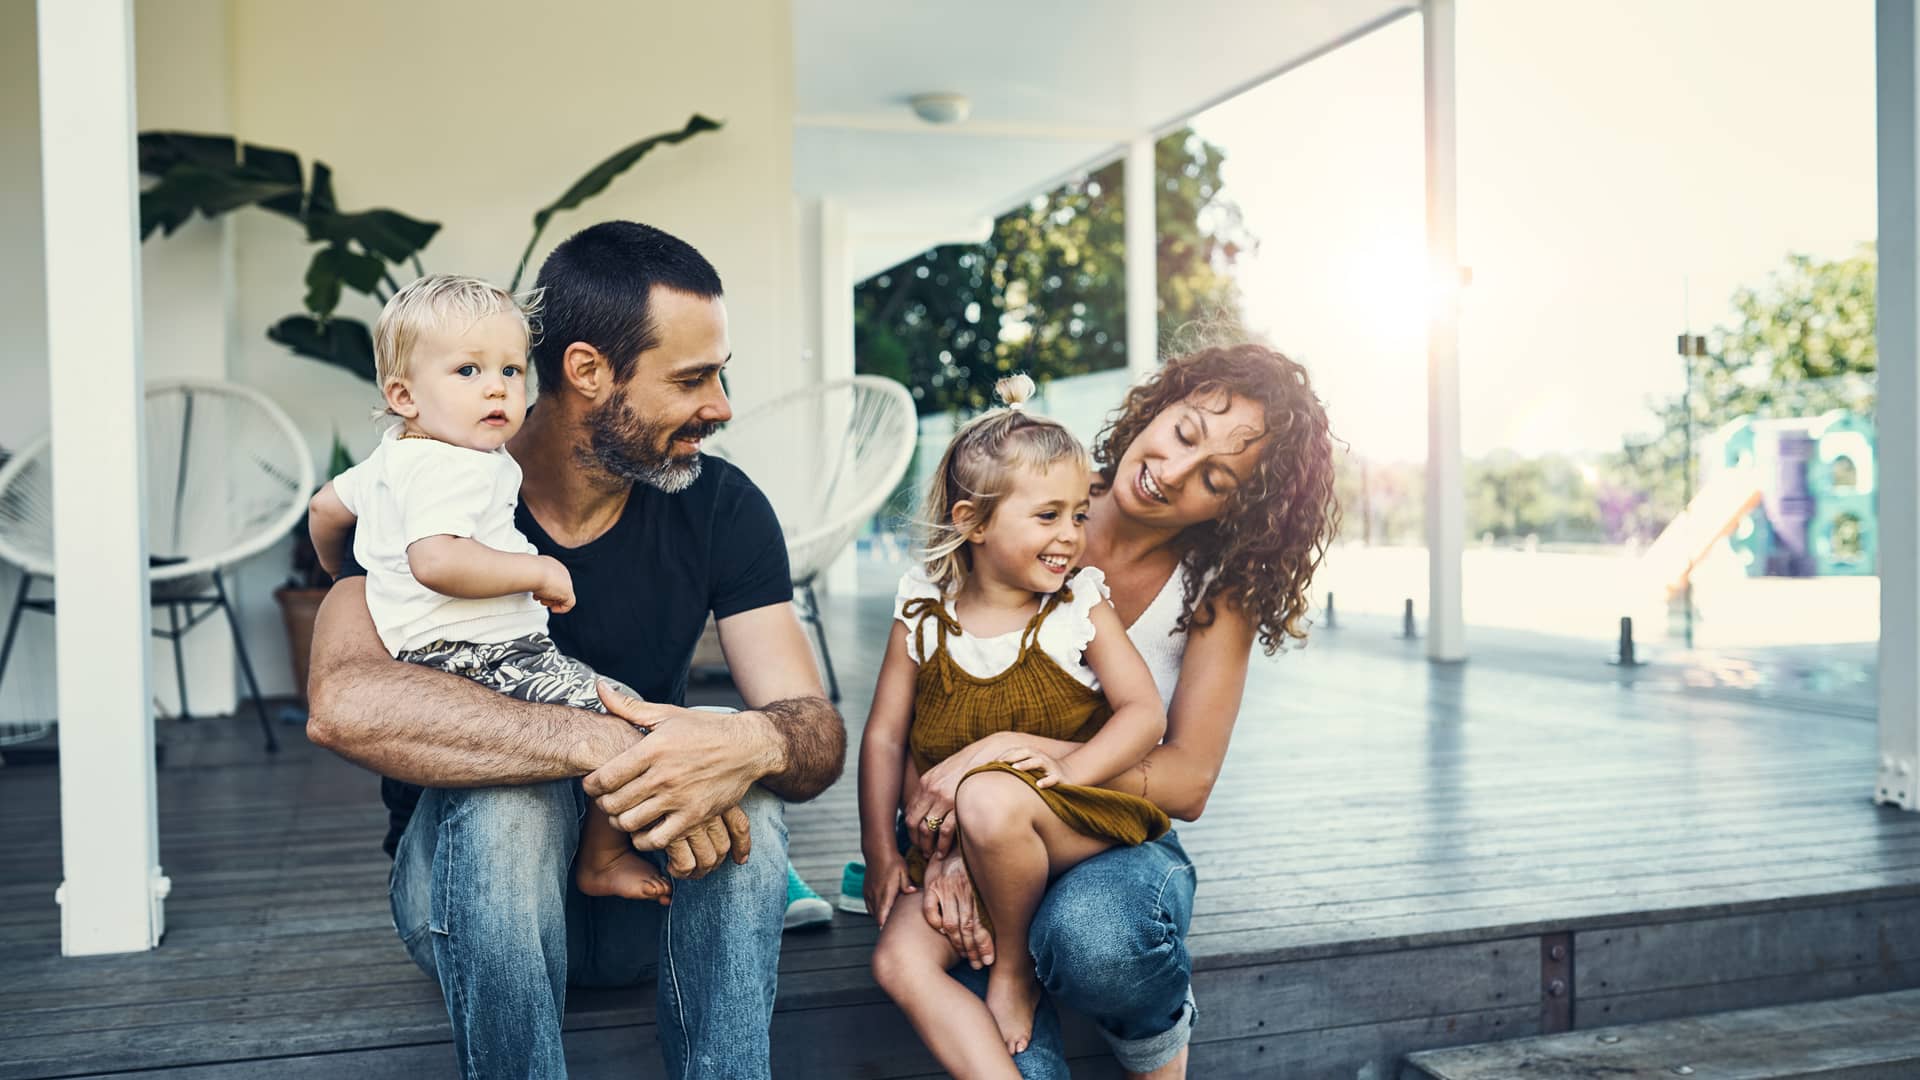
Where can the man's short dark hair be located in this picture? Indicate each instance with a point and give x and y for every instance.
(597, 286)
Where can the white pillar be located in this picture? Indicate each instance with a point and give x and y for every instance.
(1896, 59)
(1446, 500)
(1143, 260)
(836, 292)
(833, 246)
(112, 892)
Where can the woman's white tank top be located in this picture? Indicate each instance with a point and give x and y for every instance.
(1153, 634)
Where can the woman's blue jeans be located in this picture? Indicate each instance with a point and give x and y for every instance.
(1109, 942)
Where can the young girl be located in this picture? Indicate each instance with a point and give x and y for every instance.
(451, 583)
(997, 634)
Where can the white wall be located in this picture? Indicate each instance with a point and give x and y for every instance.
(186, 286)
(23, 318)
(477, 121)
(473, 115)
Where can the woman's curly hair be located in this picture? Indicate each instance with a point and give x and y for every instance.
(1261, 552)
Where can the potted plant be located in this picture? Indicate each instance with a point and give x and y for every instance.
(366, 251)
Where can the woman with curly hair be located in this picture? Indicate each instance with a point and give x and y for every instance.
(1212, 509)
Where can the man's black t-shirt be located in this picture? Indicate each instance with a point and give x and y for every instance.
(643, 589)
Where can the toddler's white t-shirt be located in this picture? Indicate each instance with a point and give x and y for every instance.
(408, 489)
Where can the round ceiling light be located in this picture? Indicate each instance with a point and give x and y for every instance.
(941, 108)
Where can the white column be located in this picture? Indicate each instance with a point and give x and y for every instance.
(111, 896)
(834, 298)
(1896, 47)
(1446, 500)
(836, 292)
(1143, 260)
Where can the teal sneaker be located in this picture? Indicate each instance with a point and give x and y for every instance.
(804, 906)
(853, 889)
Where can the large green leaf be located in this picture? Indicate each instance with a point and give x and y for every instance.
(334, 267)
(280, 165)
(187, 187)
(320, 194)
(344, 343)
(387, 233)
(162, 150)
(603, 174)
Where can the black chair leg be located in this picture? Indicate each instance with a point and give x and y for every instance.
(820, 635)
(13, 623)
(179, 660)
(246, 666)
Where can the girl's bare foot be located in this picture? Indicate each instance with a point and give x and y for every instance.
(624, 873)
(1012, 996)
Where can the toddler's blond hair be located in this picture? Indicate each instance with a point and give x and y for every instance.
(436, 302)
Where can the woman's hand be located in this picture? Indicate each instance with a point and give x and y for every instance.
(947, 904)
(929, 813)
(886, 880)
(1045, 766)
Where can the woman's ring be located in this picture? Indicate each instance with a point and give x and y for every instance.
(933, 823)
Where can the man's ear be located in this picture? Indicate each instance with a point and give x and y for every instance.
(400, 399)
(966, 519)
(586, 371)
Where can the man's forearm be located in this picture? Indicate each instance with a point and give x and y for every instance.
(439, 730)
(436, 729)
(811, 741)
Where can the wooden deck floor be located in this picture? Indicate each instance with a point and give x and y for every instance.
(1393, 855)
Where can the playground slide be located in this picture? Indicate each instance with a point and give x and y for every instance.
(1714, 512)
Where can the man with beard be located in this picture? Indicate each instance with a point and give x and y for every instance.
(484, 792)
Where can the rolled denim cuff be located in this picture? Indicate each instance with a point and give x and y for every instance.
(1147, 1054)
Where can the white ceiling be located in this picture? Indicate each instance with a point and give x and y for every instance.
(1056, 85)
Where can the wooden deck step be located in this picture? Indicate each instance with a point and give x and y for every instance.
(1874, 1037)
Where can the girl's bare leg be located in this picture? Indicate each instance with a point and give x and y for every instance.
(910, 963)
(1014, 845)
(607, 865)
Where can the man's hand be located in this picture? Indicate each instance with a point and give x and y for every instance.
(698, 853)
(690, 767)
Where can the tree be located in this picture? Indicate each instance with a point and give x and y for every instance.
(1046, 293)
(1802, 344)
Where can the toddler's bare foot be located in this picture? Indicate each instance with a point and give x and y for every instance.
(624, 873)
(1012, 996)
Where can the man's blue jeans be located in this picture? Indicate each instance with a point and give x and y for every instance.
(1109, 942)
(483, 898)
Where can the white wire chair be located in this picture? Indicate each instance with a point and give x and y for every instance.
(227, 475)
(827, 457)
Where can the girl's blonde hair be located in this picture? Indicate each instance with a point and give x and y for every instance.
(436, 302)
(978, 468)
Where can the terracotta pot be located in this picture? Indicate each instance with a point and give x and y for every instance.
(297, 609)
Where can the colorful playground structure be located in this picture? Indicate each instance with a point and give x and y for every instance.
(1791, 497)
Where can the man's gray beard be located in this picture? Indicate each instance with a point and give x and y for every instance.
(622, 444)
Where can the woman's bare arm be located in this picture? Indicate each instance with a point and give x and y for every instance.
(432, 728)
(1179, 774)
